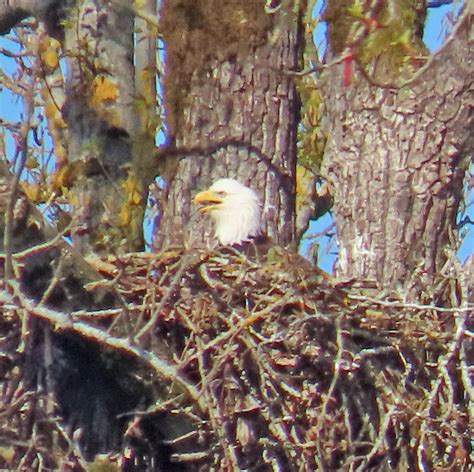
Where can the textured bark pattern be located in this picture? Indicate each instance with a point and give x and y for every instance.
(99, 43)
(395, 162)
(240, 122)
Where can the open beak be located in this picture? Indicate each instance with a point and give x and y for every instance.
(209, 199)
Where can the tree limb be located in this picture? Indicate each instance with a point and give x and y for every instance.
(62, 321)
(13, 11)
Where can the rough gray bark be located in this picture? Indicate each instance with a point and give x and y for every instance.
(395, 162)
(231, 111)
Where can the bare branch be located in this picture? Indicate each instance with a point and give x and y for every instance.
(63, 321)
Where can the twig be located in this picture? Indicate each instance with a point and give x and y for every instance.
(184, 265)
(62, 321)
(416, 306)
(22, 152)
(431, 59)
(443, 378)
(438, 3)
(329, 394)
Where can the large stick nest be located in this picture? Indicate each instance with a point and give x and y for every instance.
(234, 364)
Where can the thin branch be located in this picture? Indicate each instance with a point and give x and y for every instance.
(22, 154)
(338, 361)
(62, 321)
(416, 306)
(439, 3)
(442, 378)
(467, 12)
(184, 265)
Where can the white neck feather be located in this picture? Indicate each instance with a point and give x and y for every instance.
(238, 221)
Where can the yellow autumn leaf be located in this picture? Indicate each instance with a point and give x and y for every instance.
(60, 152)
(103, 89)
(66, 174)
(404, 38)
(132, 188)
(7, 453)
(304, 181)
(31, 163)
(136, 198)
(59, 177)
(49, 50)
(32, 191)
(125, 215)
(50, 58)
(50, 108)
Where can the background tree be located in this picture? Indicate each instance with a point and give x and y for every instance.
(190, 362)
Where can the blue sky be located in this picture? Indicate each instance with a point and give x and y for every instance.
(10, 105)
(11, 109)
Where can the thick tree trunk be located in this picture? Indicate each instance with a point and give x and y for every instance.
(232, 111)
(395, 162)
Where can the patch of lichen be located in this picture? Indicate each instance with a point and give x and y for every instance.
(311, 137)
(391, 31)
(199, 34)
(399, 36)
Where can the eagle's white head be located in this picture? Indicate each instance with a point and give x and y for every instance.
(235, 209)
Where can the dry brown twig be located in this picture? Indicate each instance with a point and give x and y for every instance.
(269, 370)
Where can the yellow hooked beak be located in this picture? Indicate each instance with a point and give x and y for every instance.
(208, 198)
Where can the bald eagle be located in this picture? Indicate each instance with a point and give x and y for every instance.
(236, 212)
(237, 215)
